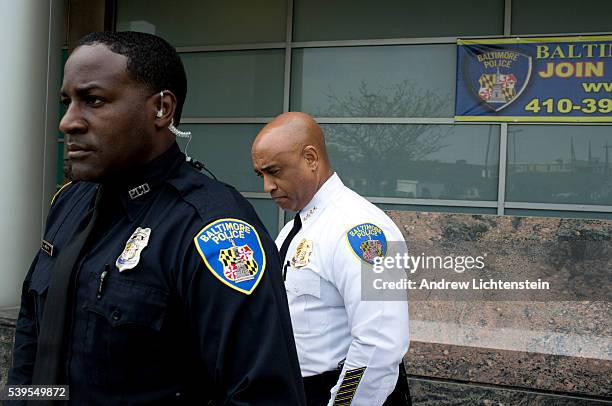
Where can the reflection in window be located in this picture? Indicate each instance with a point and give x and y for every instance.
(416, 161)
(317, 20)
(234, 83)
(560, 164)
(366, 81)
(560, 16)
(268, 214)
(198, 22)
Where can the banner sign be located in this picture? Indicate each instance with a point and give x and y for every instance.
(553, 79)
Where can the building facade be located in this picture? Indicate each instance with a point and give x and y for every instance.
(380, 78)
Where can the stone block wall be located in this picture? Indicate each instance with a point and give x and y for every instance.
(501, 352)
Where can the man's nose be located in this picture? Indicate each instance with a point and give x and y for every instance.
(72, 122)
(269, 185)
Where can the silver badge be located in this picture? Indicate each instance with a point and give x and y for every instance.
(130, 257)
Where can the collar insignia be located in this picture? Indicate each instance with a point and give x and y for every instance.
(139, 191)
(309, 213)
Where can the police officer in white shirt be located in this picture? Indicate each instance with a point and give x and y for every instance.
(350, 350)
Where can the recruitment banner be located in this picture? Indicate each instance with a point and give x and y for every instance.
(549, 79)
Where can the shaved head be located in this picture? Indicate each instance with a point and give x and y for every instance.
(290, 155)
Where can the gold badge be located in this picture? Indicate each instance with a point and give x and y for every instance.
(302, 254)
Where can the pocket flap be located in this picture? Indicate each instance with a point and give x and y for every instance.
(130, 304)
(303, 282)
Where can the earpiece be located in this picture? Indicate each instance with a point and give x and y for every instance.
(171, 127)
(160, 112)
(182, 134)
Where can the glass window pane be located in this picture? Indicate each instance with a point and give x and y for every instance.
(234, 84)
(385, 81)
(268, 213)
(416, 161)
(561, 16)
(197, 22)
(289, 215)
(560, 164)
(316, 20)
(225, 149)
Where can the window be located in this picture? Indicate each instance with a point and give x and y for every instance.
(320, 20)
(416, 161)
(560, 164)
(234, 83)
(197, 23)
(380, 81)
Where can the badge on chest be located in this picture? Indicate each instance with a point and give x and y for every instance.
(130, 257)
(302, 254)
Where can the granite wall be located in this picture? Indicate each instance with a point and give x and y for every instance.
(7, 332)
(553, 349)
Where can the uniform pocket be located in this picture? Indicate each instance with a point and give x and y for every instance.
(124, 331)
(130, 304)
(309, 314)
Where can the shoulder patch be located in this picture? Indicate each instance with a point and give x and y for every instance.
(60, 190)
(232, 251)
(367, 241)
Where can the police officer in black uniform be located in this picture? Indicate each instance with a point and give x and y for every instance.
(154, 283)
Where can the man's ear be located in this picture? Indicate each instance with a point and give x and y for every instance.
(311, 155)
(164, 105)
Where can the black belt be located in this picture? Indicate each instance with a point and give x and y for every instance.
(317, 388)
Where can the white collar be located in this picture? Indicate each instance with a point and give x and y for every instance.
(325, 194)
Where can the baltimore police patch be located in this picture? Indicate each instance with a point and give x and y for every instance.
(232, 251)
(367, 241)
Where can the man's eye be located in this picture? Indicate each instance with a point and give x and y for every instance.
(94, 101)
(65, 102)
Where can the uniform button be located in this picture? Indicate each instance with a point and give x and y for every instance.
(116, 315)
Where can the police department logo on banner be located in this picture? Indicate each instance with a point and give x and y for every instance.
(497, 76)
(232, 251)
(367, 241)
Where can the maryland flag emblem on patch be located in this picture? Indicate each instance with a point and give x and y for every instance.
(371, 249)
(238, 263)
(232, 252)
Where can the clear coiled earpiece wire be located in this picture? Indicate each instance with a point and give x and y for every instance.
(183, 134)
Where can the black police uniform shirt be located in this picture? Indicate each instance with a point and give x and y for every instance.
(191, 307)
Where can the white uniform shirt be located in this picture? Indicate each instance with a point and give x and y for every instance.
(330, 321)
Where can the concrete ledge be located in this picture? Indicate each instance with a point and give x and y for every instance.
(511, 369)
(429, 392)
(8, 316)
